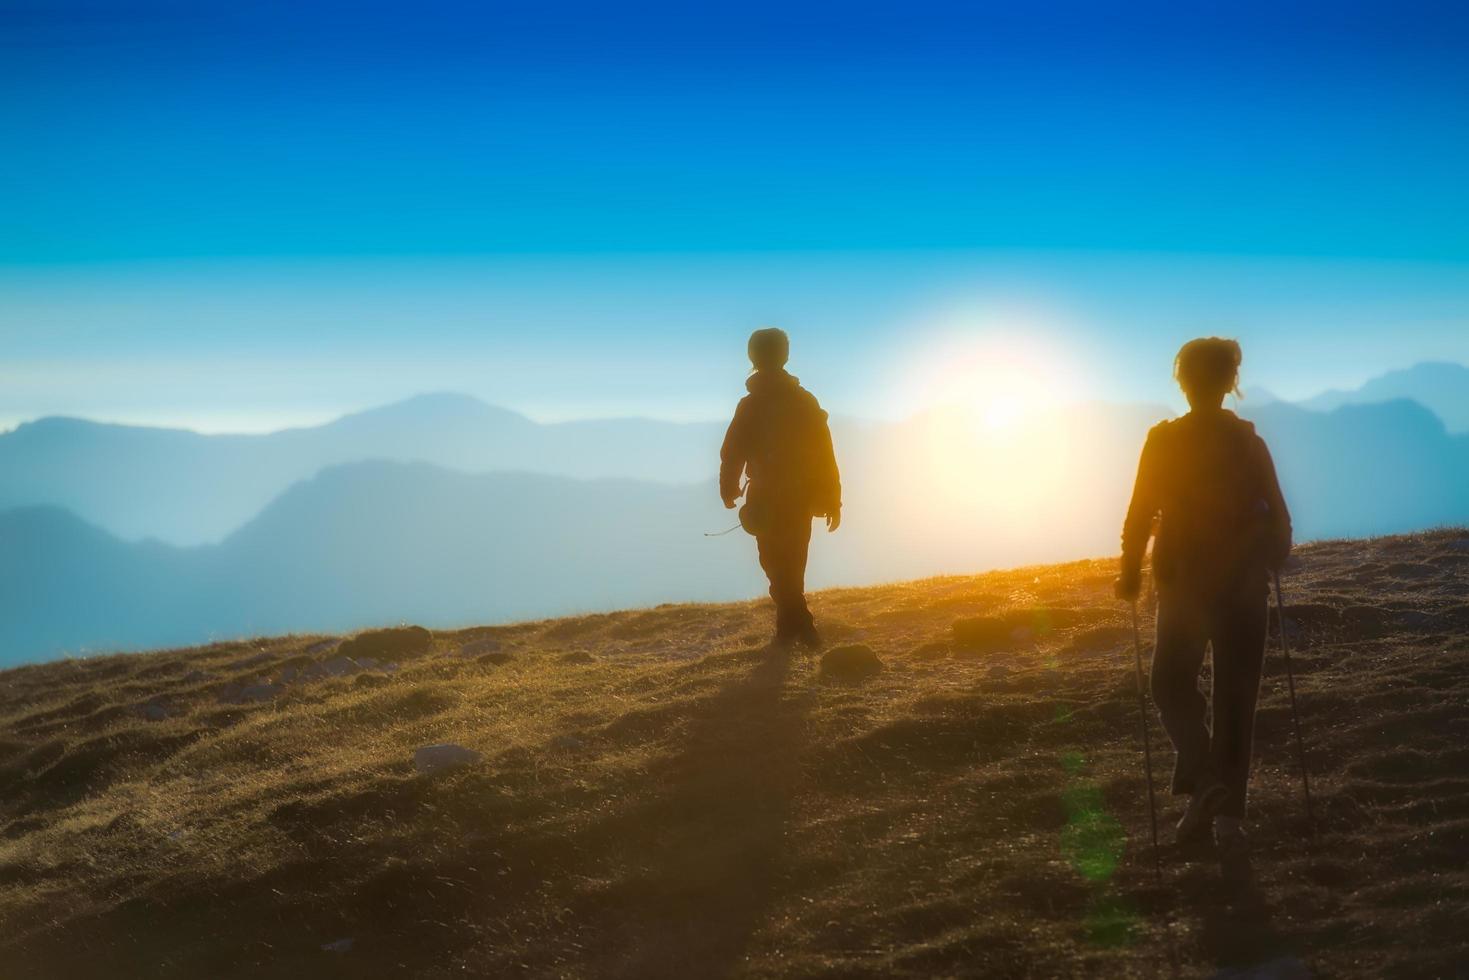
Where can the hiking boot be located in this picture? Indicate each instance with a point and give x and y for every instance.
(1193, 827)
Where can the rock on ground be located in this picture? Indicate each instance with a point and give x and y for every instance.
(850, 662)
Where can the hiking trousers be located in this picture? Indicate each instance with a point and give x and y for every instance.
(783, 549)
(1213, 739)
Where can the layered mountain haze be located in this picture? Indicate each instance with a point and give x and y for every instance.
(365, 543)
(1442, 388)
(185, 488)
(1367, 469)
(446, 511)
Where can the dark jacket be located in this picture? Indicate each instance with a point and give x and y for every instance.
(1210, 483)
(779, 436)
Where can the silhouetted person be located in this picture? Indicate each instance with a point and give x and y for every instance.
(779, 437)
(1208, 482)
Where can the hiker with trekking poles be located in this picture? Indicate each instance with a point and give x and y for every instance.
(1206, 490)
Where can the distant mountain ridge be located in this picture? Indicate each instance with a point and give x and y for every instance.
(1441, 387)
(1370, 469)
(378, 542)
(185, 488)
(370, 542)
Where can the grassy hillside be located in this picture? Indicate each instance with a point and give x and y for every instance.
(661, 796)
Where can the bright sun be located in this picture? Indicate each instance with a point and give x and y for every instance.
(991, 437)
(997, 395)
(998, 370)
(1002, 407)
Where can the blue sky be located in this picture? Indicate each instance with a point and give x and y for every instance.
(241, 215)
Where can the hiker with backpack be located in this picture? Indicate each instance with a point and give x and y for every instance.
(779, 438)
(1206, 487)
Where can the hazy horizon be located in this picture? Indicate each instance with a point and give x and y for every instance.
(226, 422)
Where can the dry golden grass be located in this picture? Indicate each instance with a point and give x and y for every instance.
(661, 796)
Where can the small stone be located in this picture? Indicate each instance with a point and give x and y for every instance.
(438, 758)
(854, 662)
(497, 659)
(370, 680)
(567, 743)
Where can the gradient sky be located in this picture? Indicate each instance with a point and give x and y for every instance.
(230, 215)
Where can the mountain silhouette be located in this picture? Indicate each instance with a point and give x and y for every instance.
(361, 543)
(1441, 387)
(1367, 469)
(380, 542)
(185, 488)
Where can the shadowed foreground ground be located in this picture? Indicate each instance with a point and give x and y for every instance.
(660, 797)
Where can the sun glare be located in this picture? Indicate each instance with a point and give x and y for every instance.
(997, 406)
(998, 363)
(992, 440)
(996, 389)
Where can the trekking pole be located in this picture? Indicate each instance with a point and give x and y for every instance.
(1142, 714)
(1295, 714)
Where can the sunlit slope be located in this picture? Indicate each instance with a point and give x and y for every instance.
(660, 796)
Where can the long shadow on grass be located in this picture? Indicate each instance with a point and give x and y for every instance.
(695, 869)
(1236, 923)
